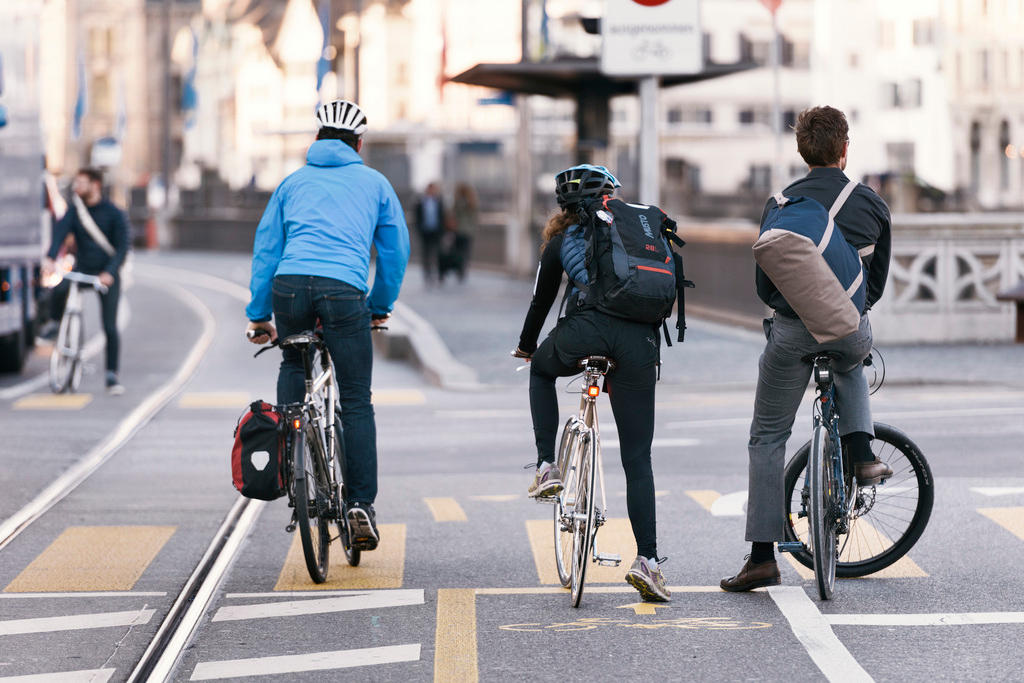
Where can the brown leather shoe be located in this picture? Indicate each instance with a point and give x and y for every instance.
(753, 576)
(871, 473)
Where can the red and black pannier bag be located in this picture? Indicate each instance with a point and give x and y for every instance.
(257, 459)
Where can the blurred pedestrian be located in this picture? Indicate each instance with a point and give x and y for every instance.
(101, 236)
(430, 223)
(466, 224)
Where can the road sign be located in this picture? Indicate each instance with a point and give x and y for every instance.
(651, 37)
(772, 5)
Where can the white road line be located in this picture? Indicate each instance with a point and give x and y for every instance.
(657, 443)
(313, 661)
(717, 422)
(992, 491)
(293, 608)
(293, 594)
(956, 412)
(947, 619)
(86, 676)
(75, 622)
(814, 633)
(483, 414)
(730, 505)
(83, 594)
(143, 413)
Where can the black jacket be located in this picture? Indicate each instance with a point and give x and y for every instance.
(90, 257)
(545, 290)
(442, 217)
(864, 221)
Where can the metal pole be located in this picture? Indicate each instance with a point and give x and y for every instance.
(650, 170)
(776, 60)
(165, 123)
(518, 241)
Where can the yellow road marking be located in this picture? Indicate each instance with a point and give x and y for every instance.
(53, 402)
(236, 400)
(503, 498)
(398, 397)
(445, 509)
(93, 558)
(455, 647)
(704, 497)
(865, 542)
(1011, 519)
(616, 536)
(382, 568)
(642, 607)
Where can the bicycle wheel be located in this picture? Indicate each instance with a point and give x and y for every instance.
(583, 514)
(821, 511)
(64, 359)
(310, 517)
(562, 516)
(352, 555)
(887, 519)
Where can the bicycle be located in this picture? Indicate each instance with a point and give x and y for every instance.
(315, 458)
(66, 357)
(576, 518)
(880, 523)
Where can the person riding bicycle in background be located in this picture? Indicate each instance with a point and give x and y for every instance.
(582, 332)
(311, 263)
(823, 142)
(101, 235)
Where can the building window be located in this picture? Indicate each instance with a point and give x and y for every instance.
(891, 95)
(707, 47)
(924, 32)
(911, 95)
(759, 178)
(756, 51)
(690, 114)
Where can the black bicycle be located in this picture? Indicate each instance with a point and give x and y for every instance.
(315, 464)
(836, 527)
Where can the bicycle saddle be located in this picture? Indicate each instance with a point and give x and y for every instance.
(601, 364)
(301, 339)
(811, 358)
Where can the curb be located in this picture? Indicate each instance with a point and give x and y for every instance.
(411, 338)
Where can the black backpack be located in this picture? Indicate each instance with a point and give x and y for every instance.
(257, 458)
(632, 270)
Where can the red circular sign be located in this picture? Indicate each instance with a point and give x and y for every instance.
(650, 3)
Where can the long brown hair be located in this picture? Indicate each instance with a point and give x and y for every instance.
(558, 223)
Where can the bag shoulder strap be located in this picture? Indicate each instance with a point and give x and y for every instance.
(837, 205)
(90, 225)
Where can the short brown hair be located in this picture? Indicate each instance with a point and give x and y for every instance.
(821, 133)
(93, 174)
(346, 136)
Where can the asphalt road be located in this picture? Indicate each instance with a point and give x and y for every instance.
(461, 588)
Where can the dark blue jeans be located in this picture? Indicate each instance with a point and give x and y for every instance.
(301, 300)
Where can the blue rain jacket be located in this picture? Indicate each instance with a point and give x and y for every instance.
(321, 220)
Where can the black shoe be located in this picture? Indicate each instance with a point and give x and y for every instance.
(362, 526)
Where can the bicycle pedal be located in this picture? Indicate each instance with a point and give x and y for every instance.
(791, 547)
(290, 528)
(608, 559)
(548, 500)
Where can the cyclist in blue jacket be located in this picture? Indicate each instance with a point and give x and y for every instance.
(311, 262)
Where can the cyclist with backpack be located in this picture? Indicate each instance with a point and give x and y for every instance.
(311, 263)
(577, 241)
(823, 259)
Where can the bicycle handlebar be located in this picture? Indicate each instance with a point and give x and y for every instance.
(83, 279)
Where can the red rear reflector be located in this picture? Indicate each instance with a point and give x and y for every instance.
(594, 391)
(298, 424)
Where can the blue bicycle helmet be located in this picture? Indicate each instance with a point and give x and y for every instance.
(583, 181)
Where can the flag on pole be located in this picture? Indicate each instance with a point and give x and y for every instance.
(189, 95)
(772, 5)
(82, 101)
(443, 76)
(323, 65)
(121, 122)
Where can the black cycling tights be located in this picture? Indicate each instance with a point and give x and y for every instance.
(631, 387)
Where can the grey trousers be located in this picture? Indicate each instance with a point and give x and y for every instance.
(781, 383)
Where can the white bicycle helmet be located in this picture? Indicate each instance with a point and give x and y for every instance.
(342, 115)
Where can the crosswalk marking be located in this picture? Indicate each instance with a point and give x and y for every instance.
(93, 558)
(236, 400)
(455, 645)
(86, 676)
(398, 397)
(1011, 519)
(992, 491)
(382, 568)
(500, 498)
(871, 542)
(314, 661)
(347, 603)
(704, 497)
(75, 622)
(84, 594)
(947, 619)
(53, 402)
(445, 509)
(613, 444)
(616, 536)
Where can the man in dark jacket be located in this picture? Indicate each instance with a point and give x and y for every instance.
(100, 232)
(430, 223)
(863, 219)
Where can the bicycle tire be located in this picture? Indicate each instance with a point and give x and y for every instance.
(563, 531)
(62, 358)
(313, 526)
(78, 363)
(882, 532)
(821, 504)
(352, 555)
(583, 529)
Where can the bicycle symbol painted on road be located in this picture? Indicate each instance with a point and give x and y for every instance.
(683, 623)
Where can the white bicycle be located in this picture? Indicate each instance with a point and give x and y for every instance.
(66, 358)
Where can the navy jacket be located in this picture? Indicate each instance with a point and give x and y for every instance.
(90, 257)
